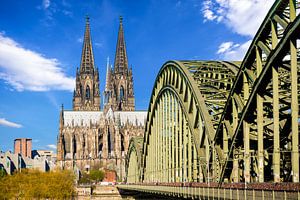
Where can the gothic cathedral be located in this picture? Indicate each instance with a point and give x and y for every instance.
(90, 138)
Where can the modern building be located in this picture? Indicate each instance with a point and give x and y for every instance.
(23, 146)
(93, 138)
(12, 162)
(46, 153)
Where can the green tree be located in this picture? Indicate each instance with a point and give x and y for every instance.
(84, 178)
(33, 184)
(96, 175)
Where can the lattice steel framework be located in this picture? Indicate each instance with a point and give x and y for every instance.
(133, 161)
(229, 122)
(261, 115)
(186, 104)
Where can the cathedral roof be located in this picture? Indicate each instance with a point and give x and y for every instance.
(136, 118)
(84, 118)
(81, 118)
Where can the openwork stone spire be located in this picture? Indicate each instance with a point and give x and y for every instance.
(121, 62)
(87, 57)
(118, 92)
(86, 95)
(108, 77)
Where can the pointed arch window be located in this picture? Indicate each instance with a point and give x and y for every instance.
(121, 92)
(122, 143)
(87, 92)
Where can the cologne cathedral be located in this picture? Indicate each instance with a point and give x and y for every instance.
(88, 136)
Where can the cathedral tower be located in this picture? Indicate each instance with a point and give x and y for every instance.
(118, 92)
(86, 94)
(89, 138)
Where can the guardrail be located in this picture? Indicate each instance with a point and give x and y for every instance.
(212, 193)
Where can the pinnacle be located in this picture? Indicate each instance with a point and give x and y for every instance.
(87, 57)
(121, 62)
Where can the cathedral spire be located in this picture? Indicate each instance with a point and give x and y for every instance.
(87, 94)
(61, 118)
(118, 92)
(108, 76)
(87, 57)
(121, 62)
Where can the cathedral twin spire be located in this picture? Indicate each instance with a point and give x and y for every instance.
(87, 57)
(87, 95)
(119, 81)
(118, 92)
(121, 62)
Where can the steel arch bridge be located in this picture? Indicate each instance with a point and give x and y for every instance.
(216, 121)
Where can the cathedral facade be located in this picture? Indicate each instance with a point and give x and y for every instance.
(90, 138)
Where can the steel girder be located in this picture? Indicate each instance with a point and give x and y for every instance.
(262, 111)
(186, 104)
(242, 122)
(133, 160)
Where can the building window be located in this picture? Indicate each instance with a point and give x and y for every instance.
(122, 143)
(121, 93)
(87, 92)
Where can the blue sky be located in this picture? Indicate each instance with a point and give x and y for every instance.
(41, 41)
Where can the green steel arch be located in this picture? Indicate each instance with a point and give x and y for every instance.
(229, 121)
(182, 118)
(261, 115)
(133, 160)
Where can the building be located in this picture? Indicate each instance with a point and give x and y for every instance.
(49, 155)
(23, 146)
(110, 176)
(12, 162)
(93, 138)
(45, 153)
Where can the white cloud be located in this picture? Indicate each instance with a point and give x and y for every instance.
(225, 46)
(207, 12)
(46, 4)
(178, 4)
(5, 122)
(242, 16)
(98, 44)
(51, 146)
(80, 40)
(52, 99)
(67, 13)
(25, 69)
(233, 52)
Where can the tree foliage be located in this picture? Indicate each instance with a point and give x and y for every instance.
(84, 179)
(92, 177)
(33, 184)
(96, 175)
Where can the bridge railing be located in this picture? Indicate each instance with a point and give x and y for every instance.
(210, 192)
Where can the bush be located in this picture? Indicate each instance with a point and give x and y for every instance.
(84, 179)
(2, 173)
(33, 184)
(96, 175)
(93, 176)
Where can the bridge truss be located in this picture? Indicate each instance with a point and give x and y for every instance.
(213, 121)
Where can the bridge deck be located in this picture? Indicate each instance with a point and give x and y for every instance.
(212, 192)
